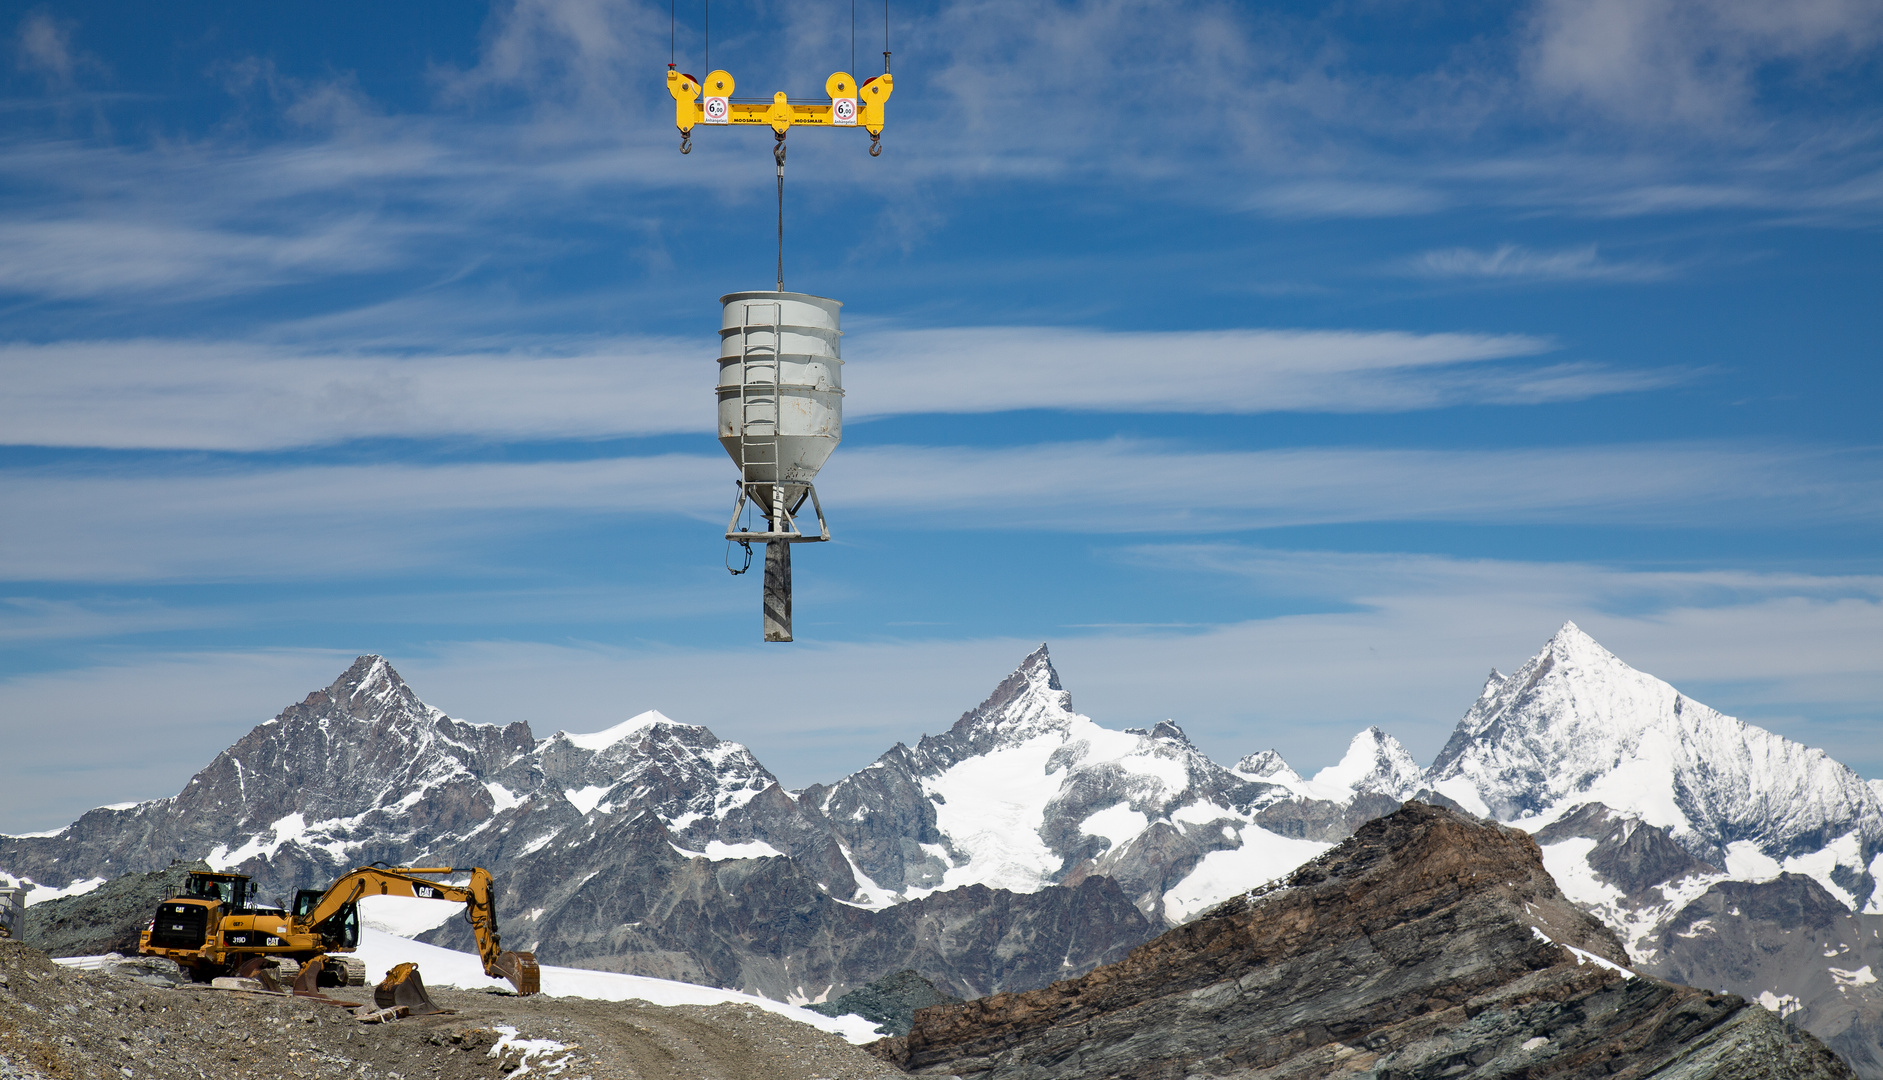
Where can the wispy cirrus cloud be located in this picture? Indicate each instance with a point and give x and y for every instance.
(246, 396)
(312, 522)
(1661, 63)
(1514, 262)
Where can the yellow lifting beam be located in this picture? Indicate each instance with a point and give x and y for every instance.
(852, 104)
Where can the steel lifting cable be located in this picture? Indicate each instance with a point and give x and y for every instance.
(778, 152)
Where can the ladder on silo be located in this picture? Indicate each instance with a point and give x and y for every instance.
(759, 410)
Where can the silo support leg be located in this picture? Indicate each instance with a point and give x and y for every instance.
(778, 591)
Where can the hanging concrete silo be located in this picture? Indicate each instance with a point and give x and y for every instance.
(780, 416)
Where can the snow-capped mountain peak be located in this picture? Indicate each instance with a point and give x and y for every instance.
(602, 740)
(1027, 703)
(1376, 762)
(371, 690)
(1575, 724)
(1267, 765)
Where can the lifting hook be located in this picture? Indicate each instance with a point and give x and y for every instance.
(876, 146)
(686, 142)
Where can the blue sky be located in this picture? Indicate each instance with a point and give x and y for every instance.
(1285, 367)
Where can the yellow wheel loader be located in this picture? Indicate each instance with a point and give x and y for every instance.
(215, 927)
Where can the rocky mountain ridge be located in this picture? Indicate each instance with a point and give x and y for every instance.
(1428, 944)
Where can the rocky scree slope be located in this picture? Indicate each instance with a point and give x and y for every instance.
(1429, 944)
(60, 1024)
(1792, 934)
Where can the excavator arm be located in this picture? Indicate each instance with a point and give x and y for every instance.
(479, 908)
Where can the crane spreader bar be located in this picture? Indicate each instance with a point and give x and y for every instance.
(852, 104)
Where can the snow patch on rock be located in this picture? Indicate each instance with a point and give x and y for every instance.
(1261, 857)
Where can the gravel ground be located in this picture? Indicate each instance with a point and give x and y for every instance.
(60, 1024)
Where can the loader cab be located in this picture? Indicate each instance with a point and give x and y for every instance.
(232, 891)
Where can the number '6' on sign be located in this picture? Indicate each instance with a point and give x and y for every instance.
(718, 110)
(843, 111)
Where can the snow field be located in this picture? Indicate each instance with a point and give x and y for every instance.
(447, 967)
(1263, 857)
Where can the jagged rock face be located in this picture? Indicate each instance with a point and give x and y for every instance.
(107, 919)
(767, 926)
(891, 1001)
(1428, 944)
(1576, 725)
(1267, 765)
(1626, 852)
(1793, 947)
(1022, 792)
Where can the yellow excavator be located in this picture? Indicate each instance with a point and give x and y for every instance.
(215, 928)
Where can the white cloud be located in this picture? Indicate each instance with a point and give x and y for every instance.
(1127, 486)
(236, 396)
(315, 521)
(43, 44)
(242, 397)
(94, 257)
(1407, 646)
(1687, 62)
(1514, 261)
(318, 521)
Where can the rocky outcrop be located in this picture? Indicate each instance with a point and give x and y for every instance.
(1791, 945)
(891, 1001)
(1429, 944)
(1628, 854)
(109, 918)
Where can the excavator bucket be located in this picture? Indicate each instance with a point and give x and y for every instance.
(402, 986)
(307, 981)
(262, 969)
(520, 968)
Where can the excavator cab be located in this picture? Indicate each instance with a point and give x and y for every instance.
(340, 930)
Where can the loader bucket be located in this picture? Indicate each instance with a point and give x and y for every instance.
(520, 968)
(402, 986)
